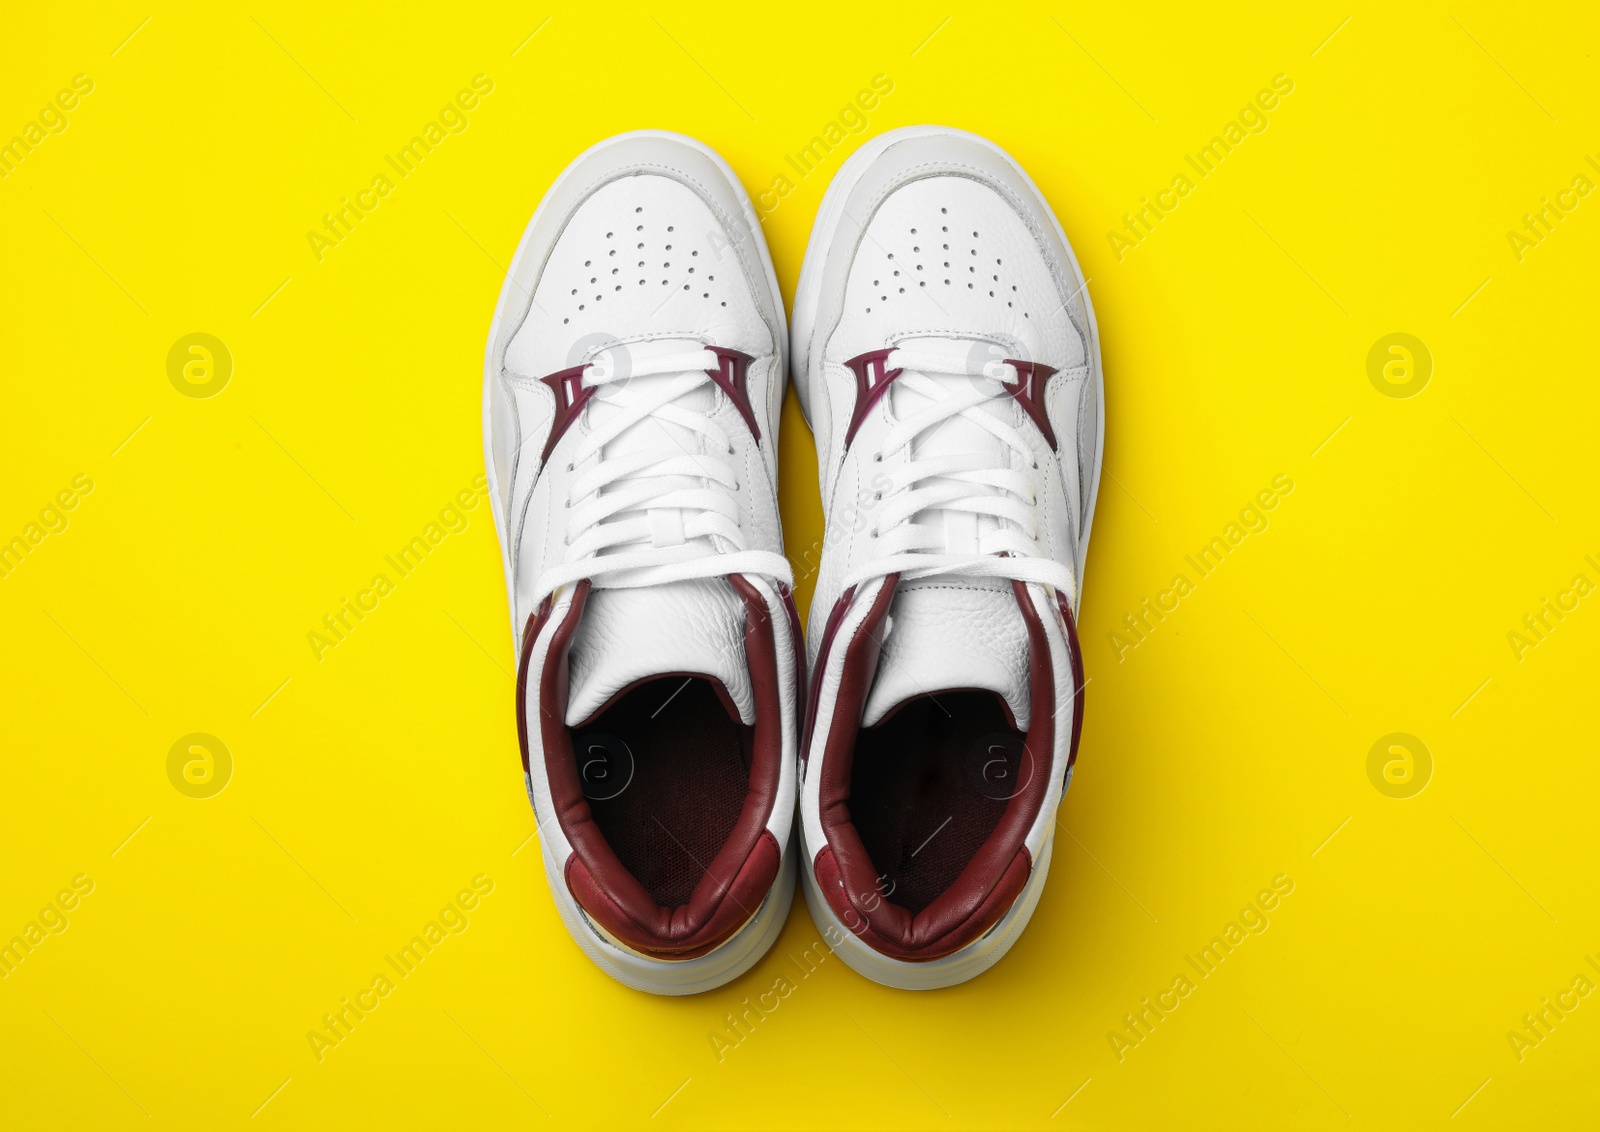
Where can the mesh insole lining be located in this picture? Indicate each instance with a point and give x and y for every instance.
(663, 770)
(928, 787)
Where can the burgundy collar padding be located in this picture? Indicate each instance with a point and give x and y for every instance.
(988, 886)
(737, 879)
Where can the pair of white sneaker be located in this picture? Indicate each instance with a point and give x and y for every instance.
(945, 354)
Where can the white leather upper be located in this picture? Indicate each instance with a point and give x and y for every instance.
(577, 291)
(947, 186)
(644, 254)
(1005, 296)
(694, 626)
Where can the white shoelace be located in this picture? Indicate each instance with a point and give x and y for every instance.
(665, 513)
(962, 483)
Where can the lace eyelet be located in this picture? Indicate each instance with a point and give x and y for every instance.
(877, 458)
(569, 466)
(878, 497)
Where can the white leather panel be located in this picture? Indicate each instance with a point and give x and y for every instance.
(631, 634)
(952, 633)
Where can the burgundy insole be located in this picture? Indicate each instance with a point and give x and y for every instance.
(929, 785)
(663, 770)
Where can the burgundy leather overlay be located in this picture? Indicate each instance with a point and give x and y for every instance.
(1029, 391)
(1075, 657)
(872, 382)
(985, 916)
(737, 879)
(571, 396)
(799, 642)
(989, 884)
(840, 608)
(730, 378)
(741, 899)
(530, 633)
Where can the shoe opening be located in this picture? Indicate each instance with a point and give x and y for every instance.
(662, 793)
(665, 769)
(926, 812)
(928, 787)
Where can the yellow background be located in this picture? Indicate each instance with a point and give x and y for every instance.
(1222, 751)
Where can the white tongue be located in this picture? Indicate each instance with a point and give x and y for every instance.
(948, 633)
(628, 635)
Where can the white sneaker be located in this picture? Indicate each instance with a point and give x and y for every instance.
(946, 356)
(632, 386)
